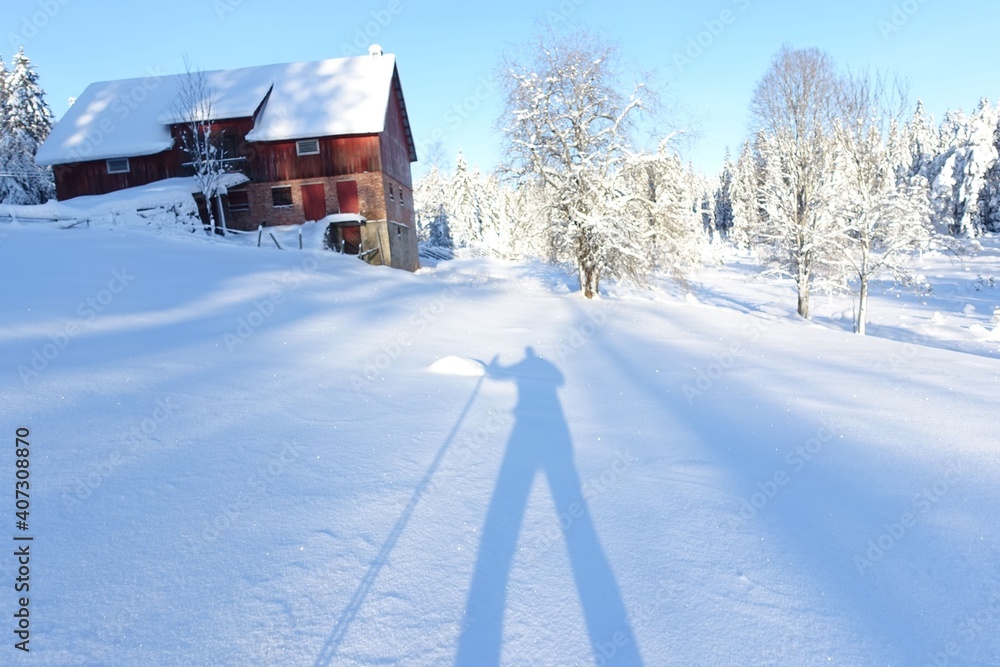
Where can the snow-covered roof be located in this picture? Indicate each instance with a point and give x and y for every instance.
(159, 193)
(131, 117)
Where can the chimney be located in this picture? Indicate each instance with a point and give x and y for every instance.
(375, 50)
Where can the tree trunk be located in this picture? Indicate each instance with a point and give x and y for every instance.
(588, 281)
(803, 284)
(862, 307)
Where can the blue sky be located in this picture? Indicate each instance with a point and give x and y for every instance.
(448, 51)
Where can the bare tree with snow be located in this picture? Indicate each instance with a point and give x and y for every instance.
(881, 221)
(793, 108)
(670, 198)
(567, 127)
(200, 140)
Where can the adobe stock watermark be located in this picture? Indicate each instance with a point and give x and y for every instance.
(139, 435)
(894, 532)
(968, 630)
(904, 356)
(122, 106)
(463, 451)
(87, 311)
(562, 13)
(398, 343)
(703, 41)
(591, 490)
(460, 112)
(581, 334)
(227, 516)
(901, 14)
(795, 460)
(705, 379)
(224, 8)
(263, 309)
(32, 24)
(365, 34)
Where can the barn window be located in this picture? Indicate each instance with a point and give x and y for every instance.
(281, 197)
(118, 165)
(307, 147)
(239, 200)
(402, 203)
(392, 196)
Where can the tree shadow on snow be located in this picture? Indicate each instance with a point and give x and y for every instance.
(540, 442)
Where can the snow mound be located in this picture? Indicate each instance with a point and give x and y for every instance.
(461, 366)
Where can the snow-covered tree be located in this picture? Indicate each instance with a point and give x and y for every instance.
(200, 140)
(723, 213)
(465, 206)
(667, 197)
(25, 122)
(430, 196)
(989, 198)
(923, 144)
(880, 221)
(567, 127)
(794, 108)
(968, 153)
(27, 109)
(748, 215)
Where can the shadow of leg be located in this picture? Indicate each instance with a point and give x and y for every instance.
(482, 636)
(607, 621)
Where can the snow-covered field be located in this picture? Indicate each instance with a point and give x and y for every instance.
(245, 456)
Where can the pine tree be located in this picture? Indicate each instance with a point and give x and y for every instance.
(431, 208)
(959, 174)
(989, 198)
(27, 109)
(464, 208)
(25, 122)
(748, 214)
(723, 213)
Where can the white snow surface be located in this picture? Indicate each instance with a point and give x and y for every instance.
(241, 456)
(159, 194)
(131, 117)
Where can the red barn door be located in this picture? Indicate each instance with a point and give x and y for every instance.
(314, 201)
(347, 195)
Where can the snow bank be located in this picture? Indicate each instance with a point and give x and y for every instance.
(460, 366)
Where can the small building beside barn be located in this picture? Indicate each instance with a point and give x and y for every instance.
(313, 139)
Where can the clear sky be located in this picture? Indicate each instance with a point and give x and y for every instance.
(448, 51)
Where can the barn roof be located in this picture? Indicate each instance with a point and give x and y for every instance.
(305, 100)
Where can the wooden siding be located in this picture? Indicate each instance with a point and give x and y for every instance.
(274, 161)
(395, 145)
(92, 178)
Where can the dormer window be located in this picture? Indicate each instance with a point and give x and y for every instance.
(118, 165)
(307, 147)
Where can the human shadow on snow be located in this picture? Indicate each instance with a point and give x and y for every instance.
(540, 442)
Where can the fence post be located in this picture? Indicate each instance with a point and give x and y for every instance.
(260, 232)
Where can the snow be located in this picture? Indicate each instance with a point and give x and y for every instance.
(170, 192)
(243, 455)
(452, 365)
(131, 117)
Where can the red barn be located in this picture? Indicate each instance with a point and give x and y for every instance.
(313, 138)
